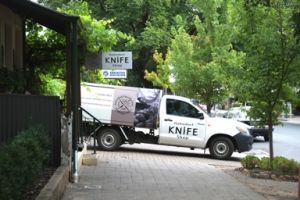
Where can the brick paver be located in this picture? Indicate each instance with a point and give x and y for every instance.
(133, 174)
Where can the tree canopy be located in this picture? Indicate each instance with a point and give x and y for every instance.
(267, 37)
(42, 43)
(199, 61)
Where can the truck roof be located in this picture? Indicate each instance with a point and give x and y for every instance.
(178, 97)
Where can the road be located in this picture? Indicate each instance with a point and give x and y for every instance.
(286, 142)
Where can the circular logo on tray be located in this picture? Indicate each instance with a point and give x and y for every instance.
(124, 104)
(105, 73)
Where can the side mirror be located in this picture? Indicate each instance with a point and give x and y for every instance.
(200, 115)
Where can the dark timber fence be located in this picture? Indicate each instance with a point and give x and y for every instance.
(18, 112)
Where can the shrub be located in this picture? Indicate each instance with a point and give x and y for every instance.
(250, 162)
(284, 165)
(264, 163)
(281, 164)
(22, 160)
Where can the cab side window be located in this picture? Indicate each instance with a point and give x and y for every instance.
(180, 108)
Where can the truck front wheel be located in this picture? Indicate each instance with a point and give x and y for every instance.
(109, 139)
(221, 148)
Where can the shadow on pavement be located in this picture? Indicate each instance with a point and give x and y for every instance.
(165, 152)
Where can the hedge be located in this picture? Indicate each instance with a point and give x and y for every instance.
(22, 160)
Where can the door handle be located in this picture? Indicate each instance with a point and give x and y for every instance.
(168, 120)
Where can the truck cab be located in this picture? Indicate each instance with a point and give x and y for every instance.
(182, 123)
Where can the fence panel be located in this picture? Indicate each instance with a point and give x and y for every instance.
(18, 112)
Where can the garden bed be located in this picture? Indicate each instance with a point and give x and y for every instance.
(33, 190)
(263, 174)
(271, 189)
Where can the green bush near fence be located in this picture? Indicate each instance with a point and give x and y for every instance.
(22, 160)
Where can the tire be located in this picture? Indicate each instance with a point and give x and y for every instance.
(266, 137)
(221, 148)
(109, 139)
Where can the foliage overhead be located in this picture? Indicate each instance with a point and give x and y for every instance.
(200, 60)
(209, 42)
(96, 33)
(161, 77)
(149, 23)
(42, 43)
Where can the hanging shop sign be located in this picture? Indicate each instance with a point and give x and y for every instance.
(117, 60)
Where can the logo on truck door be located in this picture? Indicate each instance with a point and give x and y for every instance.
(124, 104)
(183, 130)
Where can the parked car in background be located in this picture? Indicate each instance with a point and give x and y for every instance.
(240, 114)
(218, 113)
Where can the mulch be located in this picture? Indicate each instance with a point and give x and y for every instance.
(271, 188)
(33, 190)
(263, 174)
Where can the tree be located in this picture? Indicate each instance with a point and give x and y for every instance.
(42, 44)
(161, 77)
(193, 78)
(54, 4)
(199, 61)
(149, 22)
(272, 53)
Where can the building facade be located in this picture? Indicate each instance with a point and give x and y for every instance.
(11, 39)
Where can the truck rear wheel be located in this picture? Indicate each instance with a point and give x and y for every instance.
(221, 148)
(109, 139)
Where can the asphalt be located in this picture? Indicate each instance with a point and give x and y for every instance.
(147, 172)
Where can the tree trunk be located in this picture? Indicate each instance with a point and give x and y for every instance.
(208, 108)
(270, 132)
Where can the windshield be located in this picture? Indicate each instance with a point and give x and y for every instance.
(237, 113)
(202, 107)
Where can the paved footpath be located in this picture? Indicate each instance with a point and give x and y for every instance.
(141, 175)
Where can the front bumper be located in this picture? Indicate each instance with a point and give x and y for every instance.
(243, 142)
(258, 131)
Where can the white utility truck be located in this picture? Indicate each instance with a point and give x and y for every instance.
(139, 115)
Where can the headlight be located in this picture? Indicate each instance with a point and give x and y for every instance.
(243, 130)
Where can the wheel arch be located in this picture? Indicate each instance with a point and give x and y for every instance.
(116, 128)
(221, 135)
